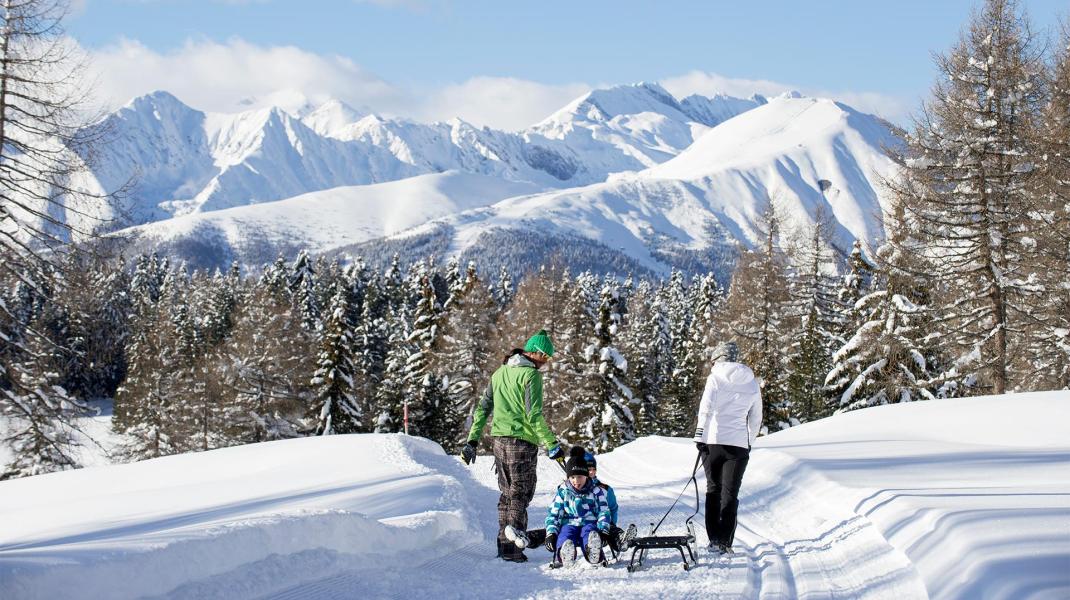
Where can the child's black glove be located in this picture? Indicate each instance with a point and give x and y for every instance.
(702, 448)
(551, 542)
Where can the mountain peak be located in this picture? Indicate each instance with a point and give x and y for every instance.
(330, 117)
(156, 99)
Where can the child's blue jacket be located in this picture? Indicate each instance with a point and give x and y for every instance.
(578, 508)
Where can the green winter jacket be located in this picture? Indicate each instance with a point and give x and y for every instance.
(514, 396)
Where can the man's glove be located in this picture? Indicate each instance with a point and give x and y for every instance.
(468, 452)
(555, 452)
(702, 448)
(551, 542)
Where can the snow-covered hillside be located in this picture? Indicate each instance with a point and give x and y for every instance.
(712, 194)
(320, 221)
(964, 498)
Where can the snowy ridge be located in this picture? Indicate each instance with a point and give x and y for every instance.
(183, 160)
(712, 194)
(945, 499)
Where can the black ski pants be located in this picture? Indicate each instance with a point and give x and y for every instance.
(724, 466)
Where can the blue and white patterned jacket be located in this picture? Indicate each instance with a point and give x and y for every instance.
(570, 507)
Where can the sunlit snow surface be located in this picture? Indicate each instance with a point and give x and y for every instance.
(961, 498)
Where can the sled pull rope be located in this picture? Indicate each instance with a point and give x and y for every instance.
(694, 480)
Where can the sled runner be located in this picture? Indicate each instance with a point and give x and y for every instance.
(665, 542)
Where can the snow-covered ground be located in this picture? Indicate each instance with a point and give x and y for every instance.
(97, 440)
(961, 498)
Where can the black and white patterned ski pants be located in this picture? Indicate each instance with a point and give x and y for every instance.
(515, 461)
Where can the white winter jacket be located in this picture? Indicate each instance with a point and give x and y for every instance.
(731, 409)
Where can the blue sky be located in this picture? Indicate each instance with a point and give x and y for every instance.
(876, 54)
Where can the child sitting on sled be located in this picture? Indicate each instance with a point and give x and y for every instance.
(579, 515)
(617, 539)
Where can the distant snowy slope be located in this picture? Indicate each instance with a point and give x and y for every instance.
(783, 150)
(712, 194)
(327, 219)
(628, 128)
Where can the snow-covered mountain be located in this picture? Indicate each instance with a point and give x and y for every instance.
(811, 157)
(961, 498)
(629, 174)
(186, 161)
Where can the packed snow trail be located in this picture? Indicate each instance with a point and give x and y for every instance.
(945, 499)
(777, 557)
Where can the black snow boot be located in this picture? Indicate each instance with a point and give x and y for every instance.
(513, 554)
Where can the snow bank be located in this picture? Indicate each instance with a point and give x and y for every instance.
(151, 527)
(973, 491)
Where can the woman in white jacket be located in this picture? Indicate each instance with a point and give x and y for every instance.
(729, 417)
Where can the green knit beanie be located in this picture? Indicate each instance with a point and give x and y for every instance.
(540, 342)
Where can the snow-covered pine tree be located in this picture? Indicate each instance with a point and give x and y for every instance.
(756, 312)
(503, 289)
(647, 345)
(678, 401)
(454, 279)
(463, 353)
(335, 406)
(276, 278)
(584, 421)
(96, 296)
(266, 362)
(145, 395)
(146, 285)
(616, 422)
(963, 181)
(223, 298)
(393, 390)
(887, 359)
(430, 413)
(857, 281)
(370, 337)
(38, 411)
(817, 321)
(303, 286)
(707, 298)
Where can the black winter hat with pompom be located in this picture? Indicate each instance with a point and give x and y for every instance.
(576, 464)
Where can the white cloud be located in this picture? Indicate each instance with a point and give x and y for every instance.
(236, 75)
(229, 76)
(893, 108)
(501, 102)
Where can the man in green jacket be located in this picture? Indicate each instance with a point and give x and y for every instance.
(514, 397)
